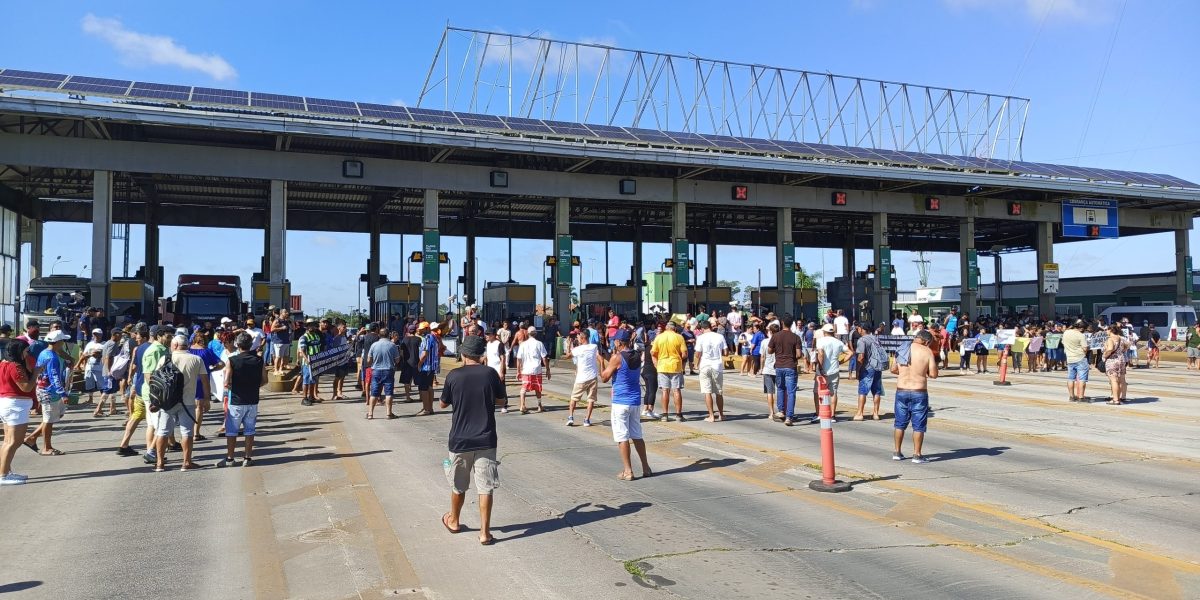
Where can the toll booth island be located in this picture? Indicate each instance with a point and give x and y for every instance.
(504, 301)
(707, 298)
(597, 298)
(397, 299)
(767, 301)
(260, 298)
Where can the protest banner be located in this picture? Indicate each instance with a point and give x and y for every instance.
(327, 360)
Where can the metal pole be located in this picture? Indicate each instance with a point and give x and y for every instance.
(999, 290)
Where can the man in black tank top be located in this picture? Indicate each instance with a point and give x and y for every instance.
(243, 378)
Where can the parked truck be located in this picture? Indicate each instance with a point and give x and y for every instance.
(52, 298)
(204, 298)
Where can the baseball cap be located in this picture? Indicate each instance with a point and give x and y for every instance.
(183, 331)
(623, 336)
(532, 329)
(56, 336)
(828, 327)
(422, 325)
(98, 330)
(117, 331)
(225, 320)
(473, 346)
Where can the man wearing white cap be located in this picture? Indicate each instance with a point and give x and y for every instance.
(531, 360)
(93, 369)
(51, 392)
(828, 363)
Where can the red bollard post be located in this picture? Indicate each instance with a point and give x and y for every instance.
(1003, 368)
(828, 482)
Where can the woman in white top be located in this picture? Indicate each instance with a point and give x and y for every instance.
(768, 369)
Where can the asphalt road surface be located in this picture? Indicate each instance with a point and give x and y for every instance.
(1027, 496)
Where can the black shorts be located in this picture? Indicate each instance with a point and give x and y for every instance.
(424, 380)
(407, 374)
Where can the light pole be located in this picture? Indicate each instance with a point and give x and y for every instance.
(999, 292)
(57, 260)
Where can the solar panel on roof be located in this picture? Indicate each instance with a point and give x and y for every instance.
(477, 120)
(905, 158)
(332, 107)
(726, 142)
(31, 78)
(384, 111)
(528, 125)
(691, 139)
(611, 132)
(220, 96)
(263, 100)
(160, 91)
(428, 115)
(566, 128)
(652, 136)
(798, 148)
(1177, 182)
(97, 85)
(761, 144)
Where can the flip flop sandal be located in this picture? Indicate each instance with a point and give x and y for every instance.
(423, 413)
(626, 477)
(488, 542)
(52, 452)
(370, 417)
(459, 530)
(33, 446)
(391, 416)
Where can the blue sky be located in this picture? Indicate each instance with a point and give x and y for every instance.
(1056, 52)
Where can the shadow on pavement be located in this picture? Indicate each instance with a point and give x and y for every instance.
(968, 453)
(572, 518)
(18, 586)
(280, 460)
(701, 464)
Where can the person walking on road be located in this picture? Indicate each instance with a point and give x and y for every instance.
(1192, 342)
(382, 358)
(532, 361)
(1075, 345)
(622, 371)
(668, 352)
(1116, 363)
(51, 392)
(472, 391)
(768, 374)
(587, 376)
(429, 362)
(181, 416)
(17, 384)
(643, 338)
(787, 350)
(710, 352)
(828, 363)
(912, 396)
(872, 361)
(243, 378)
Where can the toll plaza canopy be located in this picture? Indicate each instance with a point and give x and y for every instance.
(89, 149)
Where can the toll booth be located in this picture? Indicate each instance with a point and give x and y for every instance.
(130, 300)
(854, 296)
(260, 297)
(598, 298)
(402, 299)
(504, 301)
(805, 307)
(709, 298)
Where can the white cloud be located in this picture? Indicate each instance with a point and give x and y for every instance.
(145, 49)
(1061, 10)
(325, 241)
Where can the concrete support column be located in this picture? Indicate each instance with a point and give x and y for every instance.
(277, 245)
(469, 267)
(881, 298)
(711, 251)
(783, 237)
(35, 249)
(373, 265)
(562, 293)
(1045, 254)
(151, 251)
(848, 257)
(635, 270)
(1184, 291)
(678, 300)
(969, 295)
(429, 287)
(102, 206)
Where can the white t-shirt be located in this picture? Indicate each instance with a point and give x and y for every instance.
(585, 363)
(842, 325)
(256, 338)
(833, 348)
(768, 357)
(735, 320)
(710, 346)
(93, 361)
(495, 356)
(916, 319)
(530, 354)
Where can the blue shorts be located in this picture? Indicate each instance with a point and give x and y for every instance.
(871, 383)
(914, 406)
(306, 372)
(1078, 371)
(240, 416)
(383, 382)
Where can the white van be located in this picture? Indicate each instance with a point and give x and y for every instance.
(1171, 321)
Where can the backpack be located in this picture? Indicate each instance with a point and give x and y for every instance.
(166, 387)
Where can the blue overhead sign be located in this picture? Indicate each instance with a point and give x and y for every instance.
(1096, 219)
